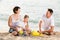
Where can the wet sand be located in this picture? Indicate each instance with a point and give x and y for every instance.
(8, 36)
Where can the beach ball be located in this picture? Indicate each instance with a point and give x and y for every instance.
(21, 32)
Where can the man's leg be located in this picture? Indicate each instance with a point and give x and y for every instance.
(51, 30)
(48, 32)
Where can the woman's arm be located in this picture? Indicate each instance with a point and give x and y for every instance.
(10, 22)
(40, 23)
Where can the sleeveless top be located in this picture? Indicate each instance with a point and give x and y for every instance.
(15, 22)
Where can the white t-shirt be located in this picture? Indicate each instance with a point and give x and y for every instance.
(22, 24)
(47, 22)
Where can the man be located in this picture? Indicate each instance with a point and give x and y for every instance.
(46, 24)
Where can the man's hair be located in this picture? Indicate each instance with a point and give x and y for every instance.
(50, 10)
(26, 16)
(15, 9)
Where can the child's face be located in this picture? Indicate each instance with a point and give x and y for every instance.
(26, 19)
(48, 14)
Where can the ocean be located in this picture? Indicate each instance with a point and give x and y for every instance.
(34, 8)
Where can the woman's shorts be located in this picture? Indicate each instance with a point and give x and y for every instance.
(11, 30)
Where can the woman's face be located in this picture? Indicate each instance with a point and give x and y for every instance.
(18, 11)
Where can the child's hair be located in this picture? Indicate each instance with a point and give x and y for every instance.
(16, 9)
(51, 11)
(26, 16)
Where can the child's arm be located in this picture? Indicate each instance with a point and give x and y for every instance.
(27, 26)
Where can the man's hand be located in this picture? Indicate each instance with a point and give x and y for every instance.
(51, 29)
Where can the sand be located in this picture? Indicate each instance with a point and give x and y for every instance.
(8, 36)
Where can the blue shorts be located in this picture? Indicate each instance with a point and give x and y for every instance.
(11, 30)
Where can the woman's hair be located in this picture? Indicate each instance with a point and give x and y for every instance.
(26, 16)
(16, 9)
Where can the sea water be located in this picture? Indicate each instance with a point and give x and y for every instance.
(34, 8)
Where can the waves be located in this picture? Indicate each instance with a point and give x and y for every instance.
(4, 17)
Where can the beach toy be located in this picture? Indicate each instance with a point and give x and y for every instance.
(35, 33)
(21, 32)
(41, 34)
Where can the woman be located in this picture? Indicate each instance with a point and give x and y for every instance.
(14, 20)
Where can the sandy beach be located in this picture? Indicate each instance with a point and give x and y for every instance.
(35, 9)
(8, 36)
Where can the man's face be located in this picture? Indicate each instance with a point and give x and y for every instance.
(26, 19)
(48, 14)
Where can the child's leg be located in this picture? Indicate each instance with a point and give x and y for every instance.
(27, 32)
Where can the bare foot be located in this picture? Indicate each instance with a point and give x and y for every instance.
(14, 33)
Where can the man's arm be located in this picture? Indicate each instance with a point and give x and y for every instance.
(52, 25)
(40, 23)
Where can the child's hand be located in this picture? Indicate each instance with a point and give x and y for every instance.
(40, 31)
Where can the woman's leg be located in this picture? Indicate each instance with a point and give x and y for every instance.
(11, 30)
(14, 33)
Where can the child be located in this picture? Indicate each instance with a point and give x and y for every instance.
(48, 23)
(25, 25)
(26, 17)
